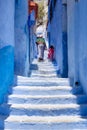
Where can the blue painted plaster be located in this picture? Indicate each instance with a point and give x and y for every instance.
(65, 55)
(83, 44)
(6, 46)
(6, 23)
(71, 53)
(58, 37)
(71, 39)
(6, 69)
(21, 38)
(77, 42)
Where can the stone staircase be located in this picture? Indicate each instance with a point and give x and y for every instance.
(43, 101)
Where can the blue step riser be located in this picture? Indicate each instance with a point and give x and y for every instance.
(48, 101)
(57, 112)
(42, 92)
(43, 72)
(43, 84)
(50, 126)
(46, 92)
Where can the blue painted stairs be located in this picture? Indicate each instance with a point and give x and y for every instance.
(43, 101)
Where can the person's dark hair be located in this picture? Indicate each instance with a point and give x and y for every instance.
(52, 47)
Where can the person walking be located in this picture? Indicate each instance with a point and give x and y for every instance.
(51, 53)
(41, 45)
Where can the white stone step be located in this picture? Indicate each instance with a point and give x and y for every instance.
(27, 90)
(51, 74)
(45, 96)
(44, 81)
(46, 119)
(45, 99)
(45, 109)
(33, 79)
(42, 88)
(46, 106)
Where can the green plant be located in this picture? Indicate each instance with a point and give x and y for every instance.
(41, 12)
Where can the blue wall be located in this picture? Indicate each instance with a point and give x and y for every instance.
(71, 38)
(6, 46)
(56, 32)
(73, 19)
(83, 43)
(21, 38)
(6, 69)
(77, 42)
(15, 46)
(32, 43)
(64, 39)
(58, 36)
(32, 36)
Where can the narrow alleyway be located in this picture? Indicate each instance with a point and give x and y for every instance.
(43, 101)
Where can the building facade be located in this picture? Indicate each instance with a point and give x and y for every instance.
(58, 38)
(7, 11)
(68, 19)
(15, 44)
(77, 37)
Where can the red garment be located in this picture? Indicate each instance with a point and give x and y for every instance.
(51, 54)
